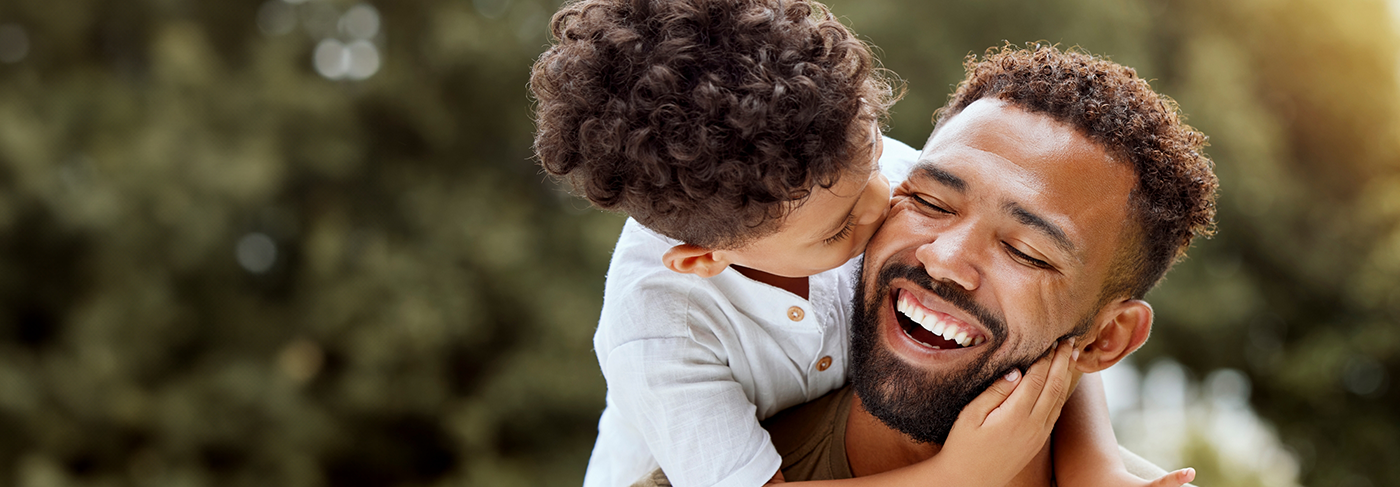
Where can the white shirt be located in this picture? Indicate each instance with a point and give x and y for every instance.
(693, 364)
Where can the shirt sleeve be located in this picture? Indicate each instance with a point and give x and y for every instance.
(695, 418)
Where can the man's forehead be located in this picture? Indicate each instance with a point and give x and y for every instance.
(1012, 133)
(1050, 155)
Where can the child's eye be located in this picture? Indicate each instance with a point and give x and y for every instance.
(845, 231)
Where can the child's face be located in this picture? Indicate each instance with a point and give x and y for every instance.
(830, 228)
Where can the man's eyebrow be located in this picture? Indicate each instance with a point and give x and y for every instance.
(942, 176)
(1026, 217)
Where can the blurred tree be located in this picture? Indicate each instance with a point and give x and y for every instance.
(295, 243)
(221, 267)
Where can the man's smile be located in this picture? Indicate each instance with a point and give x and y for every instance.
(927, 320)
(934, 329)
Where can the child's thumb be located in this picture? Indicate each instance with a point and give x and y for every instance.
(993, 397)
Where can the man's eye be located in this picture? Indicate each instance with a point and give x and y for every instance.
(932, 206)
(1026, 258)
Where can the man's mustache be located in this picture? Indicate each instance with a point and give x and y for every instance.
(955, 295)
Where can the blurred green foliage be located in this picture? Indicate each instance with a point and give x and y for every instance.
(425, 312)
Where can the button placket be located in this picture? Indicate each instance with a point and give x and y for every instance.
(795, 313)
(829, 319)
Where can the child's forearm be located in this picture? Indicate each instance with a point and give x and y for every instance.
(933, 471)
(1083, 442)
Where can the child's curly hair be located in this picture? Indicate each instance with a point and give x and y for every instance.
(1174, 199)
(705, 120)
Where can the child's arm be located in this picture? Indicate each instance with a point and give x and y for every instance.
(1085, 450)
(996, 435)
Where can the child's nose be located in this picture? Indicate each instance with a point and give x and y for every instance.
(875, 203)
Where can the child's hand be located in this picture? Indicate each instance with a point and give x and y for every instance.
(1121, 478)
(1175, 479)
(1000, 431)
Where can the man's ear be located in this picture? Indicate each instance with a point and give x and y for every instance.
(1122, 327)
(693, 259)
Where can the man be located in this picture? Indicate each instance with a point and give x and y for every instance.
(1055, 191)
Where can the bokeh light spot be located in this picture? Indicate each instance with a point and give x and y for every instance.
(14, 43)
(331, 59)
(1165, 385)
(361, 22)
(363, 60)
(336, 60)
(1364, 376)
(1228, 388)
(256, 252)
(276, 17)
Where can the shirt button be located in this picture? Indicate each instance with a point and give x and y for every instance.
(824, 363)
(795, 313)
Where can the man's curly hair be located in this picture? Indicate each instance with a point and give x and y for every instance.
(705, 120)
(1174, 199)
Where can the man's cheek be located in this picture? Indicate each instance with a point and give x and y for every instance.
(882, 242)
(1055, 308)
(1038, 303)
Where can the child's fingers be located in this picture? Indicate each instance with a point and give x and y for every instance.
(1057, 385)
(1175, 479)
(1032, 383)
(991, 399)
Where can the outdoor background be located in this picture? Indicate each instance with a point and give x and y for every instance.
(303, 242)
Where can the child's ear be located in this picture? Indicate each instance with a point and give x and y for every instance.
(692, 259)
(1122, 327)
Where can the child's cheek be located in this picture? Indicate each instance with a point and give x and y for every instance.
(866, 234)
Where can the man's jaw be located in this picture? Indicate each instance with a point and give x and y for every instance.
(907, 384)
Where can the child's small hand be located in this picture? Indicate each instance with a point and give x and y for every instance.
(1121, 478)
(1173, 479)
(1000, 431)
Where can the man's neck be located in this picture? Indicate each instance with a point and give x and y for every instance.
(872, 447)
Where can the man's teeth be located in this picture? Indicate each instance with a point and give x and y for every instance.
(930, 322)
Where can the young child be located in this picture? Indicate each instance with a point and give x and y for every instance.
(742, 137)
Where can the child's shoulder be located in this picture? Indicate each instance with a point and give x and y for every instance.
(644, 299)
(637, 272)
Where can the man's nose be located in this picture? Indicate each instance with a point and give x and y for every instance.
(950, 258)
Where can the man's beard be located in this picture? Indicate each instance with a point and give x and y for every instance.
(907, 399)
